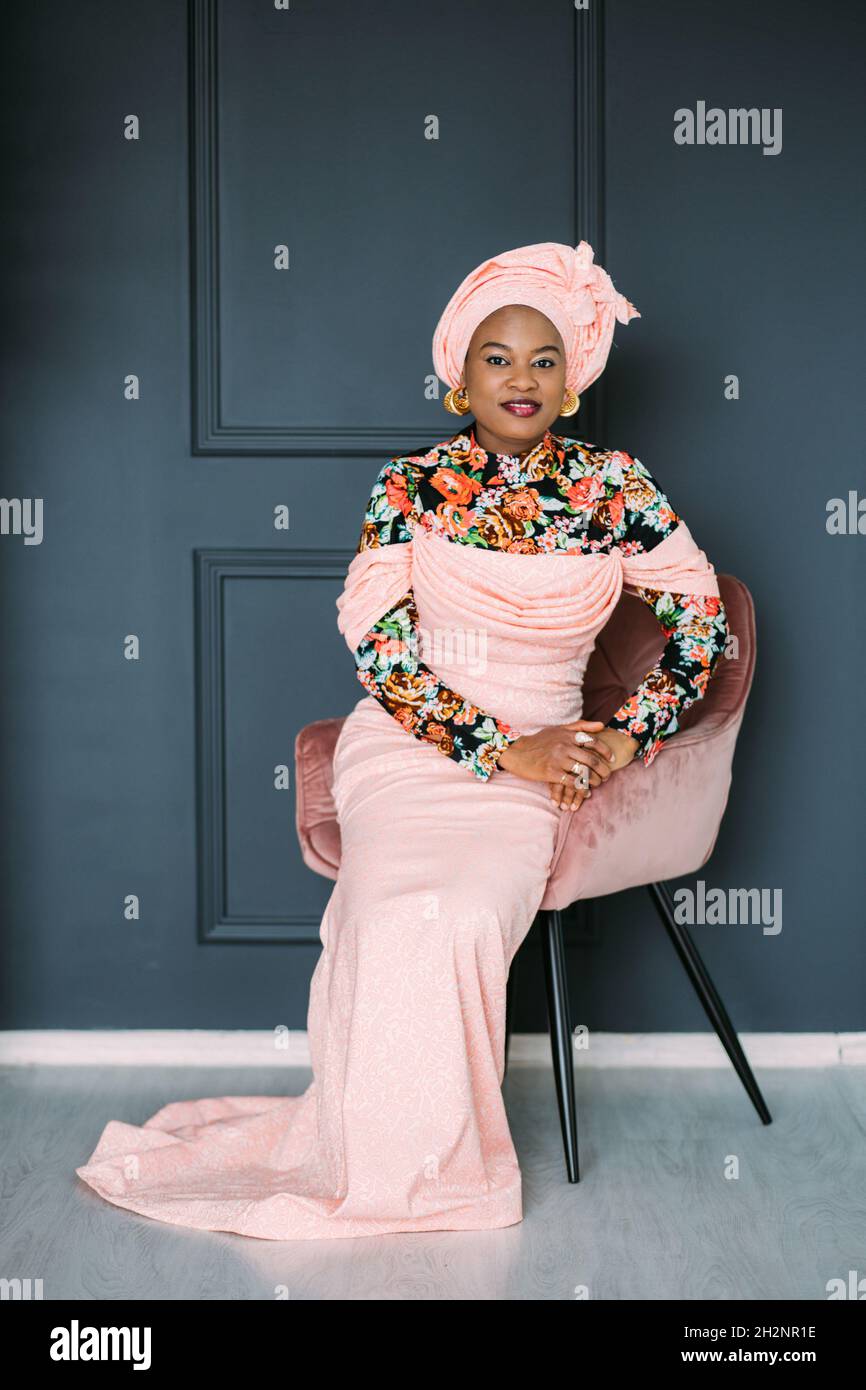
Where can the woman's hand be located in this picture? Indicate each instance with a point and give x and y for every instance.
(556, 750)
(551, 754)
(570, 796)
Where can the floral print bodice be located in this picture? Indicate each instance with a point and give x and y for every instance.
(565, 494)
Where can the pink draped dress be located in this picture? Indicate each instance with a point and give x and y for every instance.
(445, 859)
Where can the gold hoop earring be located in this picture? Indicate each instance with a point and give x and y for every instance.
(454, 403)
(570, 402)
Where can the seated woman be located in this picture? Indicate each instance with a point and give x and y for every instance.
(486, 568)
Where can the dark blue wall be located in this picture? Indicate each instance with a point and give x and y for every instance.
(261, 388)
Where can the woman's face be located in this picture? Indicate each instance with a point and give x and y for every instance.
(515, 355)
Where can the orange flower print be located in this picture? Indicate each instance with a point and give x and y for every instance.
(466, 454)
(456, 521)
(397, 493)
(522, 503)
(441, 737)
(609, 513)
(584, 494)
(448, 702)
(369, 536)
(455, 486)
(389, 648)
(404, 689)
(498, 528)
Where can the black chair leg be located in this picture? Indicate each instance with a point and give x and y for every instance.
(510, 996)
(708, 995)
(560, 1034)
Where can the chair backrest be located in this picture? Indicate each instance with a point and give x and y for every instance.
(632, 641)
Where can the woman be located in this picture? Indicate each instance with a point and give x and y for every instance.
(485, 570)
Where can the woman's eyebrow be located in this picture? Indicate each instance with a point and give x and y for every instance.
(548, 347)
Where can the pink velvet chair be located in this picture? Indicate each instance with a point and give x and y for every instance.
(641, 815)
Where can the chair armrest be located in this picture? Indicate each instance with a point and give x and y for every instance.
(315, 809)
(662, 821)
(728, 689)
(647, 824)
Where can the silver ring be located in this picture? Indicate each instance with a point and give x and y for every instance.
(581, 776)
(583, 737)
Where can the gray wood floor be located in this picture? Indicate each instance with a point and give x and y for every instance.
(653, 1217)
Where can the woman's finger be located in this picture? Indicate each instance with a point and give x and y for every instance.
(569, 794)
(596, 745)
(597, 772)
(586, 755)
(599, 755)
(578, 798)
(563, 793)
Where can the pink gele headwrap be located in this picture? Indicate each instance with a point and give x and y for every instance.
(562, 282)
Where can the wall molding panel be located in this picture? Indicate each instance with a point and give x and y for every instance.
(211, 433)
(214, 569)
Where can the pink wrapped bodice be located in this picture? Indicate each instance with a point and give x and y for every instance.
(512, 631)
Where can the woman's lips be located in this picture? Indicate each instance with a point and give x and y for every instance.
(521, 407)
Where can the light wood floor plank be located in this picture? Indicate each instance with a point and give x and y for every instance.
(654, 1217)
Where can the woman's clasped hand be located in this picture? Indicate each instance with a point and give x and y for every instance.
(551, 754)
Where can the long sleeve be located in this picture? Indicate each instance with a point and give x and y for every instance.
(387, 656)
(695, 625)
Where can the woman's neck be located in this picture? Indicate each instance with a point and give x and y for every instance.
(495, 444)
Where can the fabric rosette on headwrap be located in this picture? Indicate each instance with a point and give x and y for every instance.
(560, 281)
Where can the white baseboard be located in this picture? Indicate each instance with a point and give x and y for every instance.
(283, 1048)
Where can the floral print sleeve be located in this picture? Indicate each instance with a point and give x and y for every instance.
(387, 656)
(695, 625)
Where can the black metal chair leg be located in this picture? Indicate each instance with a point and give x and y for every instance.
(708, 995)
(510, 996)
(560, 1034)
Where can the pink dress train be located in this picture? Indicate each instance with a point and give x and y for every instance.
(403, 1127)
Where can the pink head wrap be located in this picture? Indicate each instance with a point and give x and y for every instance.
(562, 282)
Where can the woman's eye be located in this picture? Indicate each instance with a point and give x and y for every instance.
(496, 359)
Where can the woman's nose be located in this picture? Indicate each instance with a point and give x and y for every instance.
(522, 379)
